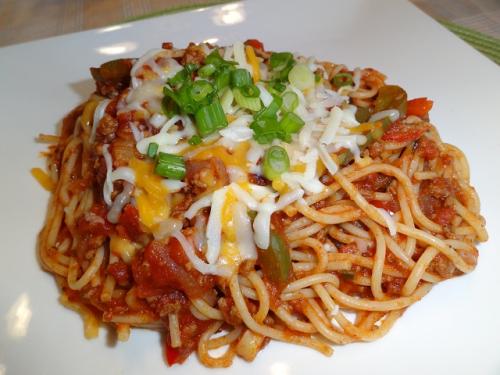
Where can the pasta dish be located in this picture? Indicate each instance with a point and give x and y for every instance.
(229, 196)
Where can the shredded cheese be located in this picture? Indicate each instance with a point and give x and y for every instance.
(43, 178)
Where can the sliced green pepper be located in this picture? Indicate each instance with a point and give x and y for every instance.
(391, 97)
(275, 262)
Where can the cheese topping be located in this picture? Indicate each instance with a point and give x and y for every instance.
(231, 236)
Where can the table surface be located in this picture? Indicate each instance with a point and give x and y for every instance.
(26, 20)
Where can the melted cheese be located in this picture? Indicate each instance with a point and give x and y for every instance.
(122, 248)
(150, 193)
(98, 115)
(236, 157)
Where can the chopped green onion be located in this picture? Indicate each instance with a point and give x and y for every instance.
(179, 78)
(252, 104)
(290, 123)
(222, 79)
(170, 166)
(241, 78)
(301, 77)
(342, 79)
(185, 99)
(317, 78)
(276, 162)
(280, 60)
(169, 107)
(276, 87)
(207, 70)
(281, 63)
(250, 91)
(200, 89)
(266, 129)
(271, 110)
(194, 140)
(190, 68)
(216, 59)
(290, 101)
(210, 118)
(152, 149)
(226, 100)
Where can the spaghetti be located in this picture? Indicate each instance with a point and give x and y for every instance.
(231, 195)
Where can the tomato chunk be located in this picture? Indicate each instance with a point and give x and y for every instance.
(255, 43)
(419, 107)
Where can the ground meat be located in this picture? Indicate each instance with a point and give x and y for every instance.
(107, 128)
(349, 248)
(374, 182)
(432, 196)
(122, 150)
(258, 180)
(393, 285)
(206, 175)
(193, 55)
(168, 303)
(229, 311)
(427, 148)
(442, 266)
(375, 149)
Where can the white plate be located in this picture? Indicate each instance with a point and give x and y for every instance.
(455, 329)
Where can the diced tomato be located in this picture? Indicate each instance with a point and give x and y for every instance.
(129, 219)
(419, 107)
(427, 148)
(158, 269)
(120, 272)
(399, 132)
(256, 44)
(172, 355)
(94, 223)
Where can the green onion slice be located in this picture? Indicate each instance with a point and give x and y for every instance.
(195, 140)
(280, 60)
(210, 118)
(290, 123)
(301, 77)
(152, 149)
(207, 70)
(271, 110)
(250, 103)
(170, 166)
(276, 162)
(250, 91)
(290, 101)
(241, 78)
(200, 90)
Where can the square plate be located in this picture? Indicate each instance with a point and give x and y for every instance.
(455, 329)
